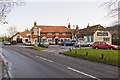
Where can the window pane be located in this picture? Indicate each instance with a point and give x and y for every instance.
(104, 44)
(49, 34)
(63, 34)
(95, 43)
(56, 34)
(99, 43)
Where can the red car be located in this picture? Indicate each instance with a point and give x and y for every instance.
(104, 45)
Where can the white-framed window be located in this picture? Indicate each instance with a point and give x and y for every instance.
(106, 39)
(49, 40)
(63, 34)
(68, 40)
(65, 39)
(49, 34)
(56, 34)
(61, 40)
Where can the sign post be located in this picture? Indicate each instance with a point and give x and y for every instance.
(36, 34)
(39, 37)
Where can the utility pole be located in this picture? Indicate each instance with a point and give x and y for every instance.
(5, 37)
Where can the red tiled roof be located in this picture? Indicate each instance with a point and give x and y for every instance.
(24, 33)
(59, 29)
(65, 36)
(90, 30)
(53, 35)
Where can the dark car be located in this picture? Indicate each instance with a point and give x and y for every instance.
(66, 43)
(7, 43)
(104, 45)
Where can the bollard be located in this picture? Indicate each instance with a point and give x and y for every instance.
(102, 56)
(79, 46)
(70, 49)
(86, 53)
(75, 52)
(76, 47)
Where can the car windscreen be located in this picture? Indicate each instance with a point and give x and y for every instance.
(7, 42)
(108, 43)
(28, 42)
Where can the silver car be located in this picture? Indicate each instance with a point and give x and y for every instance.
(28, 43)
(85, 44)
(7, 43)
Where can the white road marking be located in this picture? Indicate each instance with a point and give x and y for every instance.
(50, 60)
(37, 56)
(45, 59)
(82, 73)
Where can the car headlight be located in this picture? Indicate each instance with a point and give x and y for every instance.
(115, 46)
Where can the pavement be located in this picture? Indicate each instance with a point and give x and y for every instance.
(0, 61)
(0, 68)
(30, 63)
(57, 48)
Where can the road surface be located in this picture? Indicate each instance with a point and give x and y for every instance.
(30, 63)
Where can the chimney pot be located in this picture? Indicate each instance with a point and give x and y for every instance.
(76, 27)
(35, 24)
(88, 25)
(69, 25)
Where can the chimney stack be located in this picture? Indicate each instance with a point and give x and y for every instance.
(88, 25)
(77, 27)
(35, 24)
(69, 25)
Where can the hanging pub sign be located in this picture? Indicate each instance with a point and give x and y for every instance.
(102, 33)
(35, 31)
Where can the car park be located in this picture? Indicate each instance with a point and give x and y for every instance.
(7, 43)
(66, 43)
(83, 44)
(43, 44)
(104, 45)
(28, 43)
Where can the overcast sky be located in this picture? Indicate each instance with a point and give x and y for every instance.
(56, 14)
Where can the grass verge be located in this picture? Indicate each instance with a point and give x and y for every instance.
(109, 56)
(118, 46)
(37, 48)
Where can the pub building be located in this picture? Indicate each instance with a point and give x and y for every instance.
(58, 34)
(94, 34)
(51, 34)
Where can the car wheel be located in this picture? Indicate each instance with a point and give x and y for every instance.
(96, 47)
(111, 48)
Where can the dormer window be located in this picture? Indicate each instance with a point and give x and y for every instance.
(49, 34)
(63, 34)
(56, 34)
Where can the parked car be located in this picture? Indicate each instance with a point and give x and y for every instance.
(7, 43)
(28, 43)
(43, 44)
(65, 43)
(77, 44)
(104, 45)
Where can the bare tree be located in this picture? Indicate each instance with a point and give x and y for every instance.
(6, 6)
(112, 7)
(12, 31)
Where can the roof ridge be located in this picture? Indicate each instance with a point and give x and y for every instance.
(50, 26)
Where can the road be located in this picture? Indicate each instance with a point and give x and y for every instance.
(30, 63)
